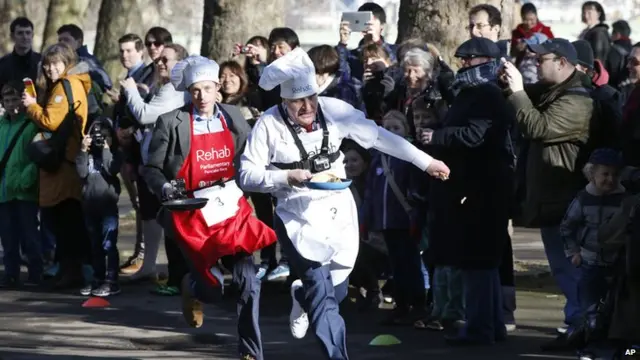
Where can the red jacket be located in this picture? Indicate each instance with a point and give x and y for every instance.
(521, 33)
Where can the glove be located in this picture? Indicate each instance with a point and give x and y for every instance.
(169, 192)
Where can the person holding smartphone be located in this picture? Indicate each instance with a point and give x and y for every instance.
(350, 60)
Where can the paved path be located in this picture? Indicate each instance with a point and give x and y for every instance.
(50, 326)
(47, 326)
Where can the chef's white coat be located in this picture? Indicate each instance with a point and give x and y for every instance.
(322, 225)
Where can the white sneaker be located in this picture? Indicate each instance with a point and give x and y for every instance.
(562, 329)
(298, 320)
(510, 327)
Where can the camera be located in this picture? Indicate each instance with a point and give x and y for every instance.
(97, 138)
(321, 163)
(244, 50)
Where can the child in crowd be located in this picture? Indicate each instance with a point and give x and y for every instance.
(592, 208)
(19, 195)
(527, 62)
(371, 257)
(98, 166)
(389, 209)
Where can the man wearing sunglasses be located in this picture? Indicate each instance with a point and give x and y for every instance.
(554, 115)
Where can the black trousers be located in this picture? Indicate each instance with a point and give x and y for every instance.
(507, 279)
(367, 269)
(176, 263)
(263, 205)
(72, 240)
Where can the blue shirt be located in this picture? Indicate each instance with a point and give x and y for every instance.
(213, 124)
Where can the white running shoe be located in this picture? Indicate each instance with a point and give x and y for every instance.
(298, 320)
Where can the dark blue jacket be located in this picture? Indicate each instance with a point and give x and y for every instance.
(347, 89)
(96, 71)
(382, 209)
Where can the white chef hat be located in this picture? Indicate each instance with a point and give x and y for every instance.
(295, 74)
(194, 69)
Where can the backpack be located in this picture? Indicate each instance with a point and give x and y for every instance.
(48, 149)
(94, 102)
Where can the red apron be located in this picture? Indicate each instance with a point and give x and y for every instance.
(225, 226)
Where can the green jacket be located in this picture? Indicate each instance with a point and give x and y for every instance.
(555, 124)
(20, 177)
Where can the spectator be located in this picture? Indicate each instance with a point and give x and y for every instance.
(350, 59)
(485, 21)
(73, 36)
(527, 62)
(378, 80)
(556, 123)
(473, 139)
(281, 41)
(529, 27)
(597, 32)
(60, 191)
(592, 208)
(236, 90)
(98, 164)
(22, 62)
(616, 63)
(389, 208)
(420, 75)
(371, 256)
(155, 40)
(19, 199)
(131, 58)
(631, 111)
(257, 57)
(332, 81)
(608, 109)
(163, 98)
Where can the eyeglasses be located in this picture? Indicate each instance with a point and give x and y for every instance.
(541, 59)
(162, 59)
(478, 26)
(156, 43)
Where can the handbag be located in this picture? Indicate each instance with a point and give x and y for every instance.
(12, 144)
(49, 152)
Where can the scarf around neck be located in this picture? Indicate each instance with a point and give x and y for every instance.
(474, 76)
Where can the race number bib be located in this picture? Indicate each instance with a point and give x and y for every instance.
(223, 202)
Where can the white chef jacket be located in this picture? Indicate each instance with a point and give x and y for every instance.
(322, 225)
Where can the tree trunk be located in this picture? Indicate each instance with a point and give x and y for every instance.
(227, 22)
(113, 20)
(443, 22)
(62, 12)
(9, 10)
